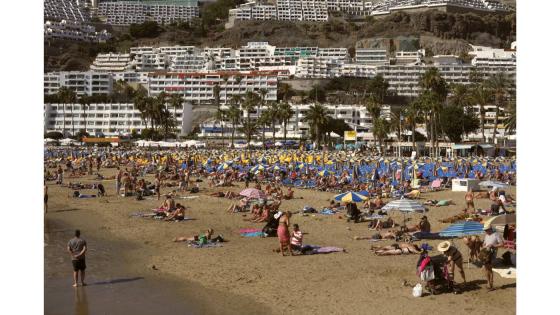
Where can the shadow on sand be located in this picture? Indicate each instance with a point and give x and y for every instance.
(116, 281)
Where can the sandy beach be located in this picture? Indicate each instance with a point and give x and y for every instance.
(245, 275)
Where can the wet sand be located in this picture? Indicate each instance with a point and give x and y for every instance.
(244, 275)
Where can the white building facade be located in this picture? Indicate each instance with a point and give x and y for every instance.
(83, 83)
(115, 119)
(75, 31)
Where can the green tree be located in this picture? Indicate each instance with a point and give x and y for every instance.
(455, 122)
(481, 95)
(66, 96)
(176, 102)
(434, 93)
(316, 117)
(285, 113)
(499, 84)
(234, 116)
(220, 115)
(84, 101)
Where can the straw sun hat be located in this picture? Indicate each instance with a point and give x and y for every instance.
(443, 246)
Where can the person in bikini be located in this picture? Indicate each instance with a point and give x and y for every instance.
(469, 200)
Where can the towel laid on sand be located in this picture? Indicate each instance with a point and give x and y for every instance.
(509, 273)
(253, 234)
(195, 244)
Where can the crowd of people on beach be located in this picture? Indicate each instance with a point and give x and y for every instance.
(270, 177)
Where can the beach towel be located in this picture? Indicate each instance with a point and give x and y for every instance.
(253, 234)
(243, 231)
(372, 217)
(509, 273)
(195, 244)
(314, 249)
(327, 211)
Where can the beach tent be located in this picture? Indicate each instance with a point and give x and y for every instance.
(463, 228)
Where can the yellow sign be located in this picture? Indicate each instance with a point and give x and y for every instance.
(350, 135)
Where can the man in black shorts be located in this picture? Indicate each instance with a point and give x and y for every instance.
(77, 248)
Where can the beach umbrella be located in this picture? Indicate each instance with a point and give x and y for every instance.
(350, 196)
(223, 166)
(404, 205)
(491, 183)
(500, 220)
(257, 168)
(463, 228)
(324, 173)
(252, 193)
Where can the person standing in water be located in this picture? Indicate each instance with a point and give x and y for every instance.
(77, 248)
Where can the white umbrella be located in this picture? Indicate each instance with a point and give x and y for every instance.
(404, 205)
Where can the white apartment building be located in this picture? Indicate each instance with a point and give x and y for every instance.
(150, 61)
(115, 119)
(409, 57)
(131, 77)
(163, 12)
(112, 62)
(83, 83)
(333, 52)
(200, 87)
(68, 10)
(496, 57)
(358, 70)
(318, 67)
(187, 63)
(76, 31)
(390, 6)
(263, 12)
(371, 56)
(356, 116)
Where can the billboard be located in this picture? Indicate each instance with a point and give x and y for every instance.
(350, 135)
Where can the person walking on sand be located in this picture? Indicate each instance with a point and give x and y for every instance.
(46, 197)
(492, 241)
(118, 179)
(77, 248)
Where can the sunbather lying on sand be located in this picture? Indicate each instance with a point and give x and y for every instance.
(396, 249)
(204, 236)
(413, 194)
(228, 194)
(389, 235)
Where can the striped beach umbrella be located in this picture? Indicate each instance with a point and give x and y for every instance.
(463, 228)
(350, 196)
(404, 205)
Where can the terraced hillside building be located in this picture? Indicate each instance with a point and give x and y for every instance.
(126, 12)
(386, 7)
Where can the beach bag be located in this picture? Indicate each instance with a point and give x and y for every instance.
(427, 274)
(417, 290)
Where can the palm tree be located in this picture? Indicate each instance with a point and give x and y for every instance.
(316, 116)
(285, 113)
(262, 95)
(499, 84)
(225, 79)
(273, 111)
(481, 95)
(374, 110)
(461, 97)
(141, 104)
(66, 96)
(434, 94)
(511, 121)
(84, 102)
(220, 115)
(380, 130)
(395, 124)
(412, 114)
(234, 115)
(176, 101)
(249, 129)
